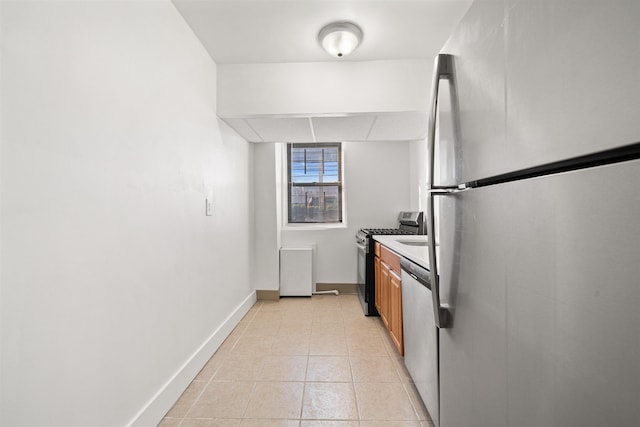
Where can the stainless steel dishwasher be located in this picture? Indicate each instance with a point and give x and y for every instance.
(420, 335)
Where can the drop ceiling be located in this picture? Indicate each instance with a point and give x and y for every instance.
(285, 31)
(406, 126)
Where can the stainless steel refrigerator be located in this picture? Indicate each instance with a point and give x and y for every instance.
(535, 193)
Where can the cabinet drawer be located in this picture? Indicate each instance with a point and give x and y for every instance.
(377, 249)
(390, 258)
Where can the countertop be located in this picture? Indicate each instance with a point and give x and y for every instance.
(417, 254)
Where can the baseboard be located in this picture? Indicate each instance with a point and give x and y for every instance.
(154, 410)
(263, 295)
(343, 288)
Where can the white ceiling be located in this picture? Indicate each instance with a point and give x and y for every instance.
(275, 31)
(285, 31)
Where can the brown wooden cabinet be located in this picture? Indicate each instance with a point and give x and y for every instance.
(395, 310)
(384, 293)
(388, 290)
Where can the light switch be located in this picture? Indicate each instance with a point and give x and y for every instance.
(208, 206)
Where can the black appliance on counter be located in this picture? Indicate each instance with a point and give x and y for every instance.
(409, 223)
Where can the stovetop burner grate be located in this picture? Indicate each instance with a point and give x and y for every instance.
(387, 231)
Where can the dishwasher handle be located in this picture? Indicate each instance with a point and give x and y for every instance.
(421, 274)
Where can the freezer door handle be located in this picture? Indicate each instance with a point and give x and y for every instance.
(443, 69)
(437, 190)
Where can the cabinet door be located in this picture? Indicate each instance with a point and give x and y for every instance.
(395, 310)
(377, 290)
(384, 293)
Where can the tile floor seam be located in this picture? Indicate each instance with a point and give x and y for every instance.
(253, 387)
(413, 406)
(355, 393)
(246, 406)
(304, 390)
(199, 394)
(210, 379)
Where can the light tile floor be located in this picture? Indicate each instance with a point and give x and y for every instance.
(303, 362)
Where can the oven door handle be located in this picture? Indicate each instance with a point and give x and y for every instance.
(362, 247)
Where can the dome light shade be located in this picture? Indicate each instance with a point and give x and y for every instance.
(340, 38)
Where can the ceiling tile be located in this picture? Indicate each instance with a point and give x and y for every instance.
(282, 129)
(244, 130)
(336, 129)
(399, 127)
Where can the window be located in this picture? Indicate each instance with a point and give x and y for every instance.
(314, 174)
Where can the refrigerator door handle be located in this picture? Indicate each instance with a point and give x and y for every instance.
(437, 190)
(443, 69)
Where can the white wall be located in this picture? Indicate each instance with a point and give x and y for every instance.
(377, 187)
(323, 87)
(112, 277)
(266, 219)
(418, 175)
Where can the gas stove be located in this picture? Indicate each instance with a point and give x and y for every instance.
(409, 223)
(363, 235)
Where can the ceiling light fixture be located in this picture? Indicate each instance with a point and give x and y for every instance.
(340, 38)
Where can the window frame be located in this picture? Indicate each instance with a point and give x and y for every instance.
(339, 183)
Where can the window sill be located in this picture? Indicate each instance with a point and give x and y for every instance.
(314, 227)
